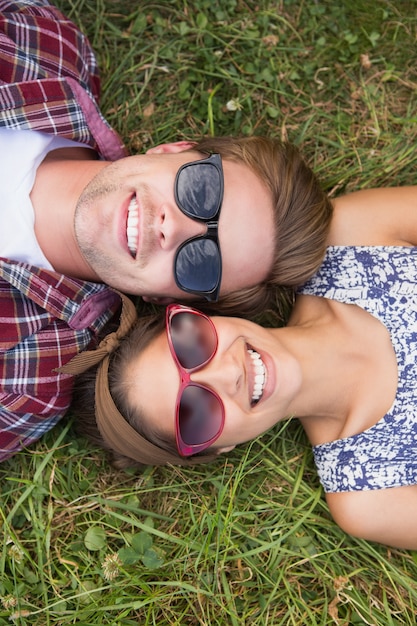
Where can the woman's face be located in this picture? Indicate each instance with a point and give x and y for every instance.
(252, 405)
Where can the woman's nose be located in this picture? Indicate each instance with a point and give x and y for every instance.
(224, 374)
(174, 227)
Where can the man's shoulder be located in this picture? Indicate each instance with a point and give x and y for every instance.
(41, 296)
(39, 42)
(49, 79)
(33, 281)
(41, 8)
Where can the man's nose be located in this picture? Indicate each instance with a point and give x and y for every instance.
(174, 227)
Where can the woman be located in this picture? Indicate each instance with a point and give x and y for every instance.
(345, 365)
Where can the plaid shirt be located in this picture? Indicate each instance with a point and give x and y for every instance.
(49, 78)
(48, 82)
(45, 319)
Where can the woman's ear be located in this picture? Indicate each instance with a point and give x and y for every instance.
(169, 148)
(224, 450)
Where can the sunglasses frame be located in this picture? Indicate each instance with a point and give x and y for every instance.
(185, 449)
(212, 223)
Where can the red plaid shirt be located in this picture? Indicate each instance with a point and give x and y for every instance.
(45, 319)
(49, 78)
(48, 82)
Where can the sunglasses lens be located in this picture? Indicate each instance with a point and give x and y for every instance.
(199, 190)
(198, 265)
(193, 339)
(200, 415)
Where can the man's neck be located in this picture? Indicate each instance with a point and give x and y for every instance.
(59, 181)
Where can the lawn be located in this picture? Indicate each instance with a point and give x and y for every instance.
(248, 540)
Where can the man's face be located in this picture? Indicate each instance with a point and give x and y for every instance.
(129, 227)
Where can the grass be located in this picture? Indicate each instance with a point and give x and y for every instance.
(247, 540)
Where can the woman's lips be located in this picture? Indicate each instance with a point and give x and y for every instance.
(257, 377)
(261, 375)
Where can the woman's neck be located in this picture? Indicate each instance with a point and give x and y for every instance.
(349, 368)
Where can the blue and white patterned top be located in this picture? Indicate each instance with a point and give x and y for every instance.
(382, 281)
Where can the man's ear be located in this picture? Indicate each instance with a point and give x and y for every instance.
(169, 148)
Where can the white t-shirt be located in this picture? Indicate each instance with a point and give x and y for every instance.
(21, 152)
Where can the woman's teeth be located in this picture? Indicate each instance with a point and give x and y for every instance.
(260, 375)
(132, 227)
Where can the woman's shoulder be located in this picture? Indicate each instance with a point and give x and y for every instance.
(375, 217)
(384, 515)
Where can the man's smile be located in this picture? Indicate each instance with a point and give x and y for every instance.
(132, 229)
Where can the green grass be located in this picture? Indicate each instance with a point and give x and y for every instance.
(247, 540)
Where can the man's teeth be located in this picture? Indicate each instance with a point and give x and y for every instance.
(260, 375)
(132, 227)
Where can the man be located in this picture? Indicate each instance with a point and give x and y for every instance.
(178, 222)
(95, 245)
(83, 206)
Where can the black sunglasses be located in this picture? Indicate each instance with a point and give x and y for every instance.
(198, 193)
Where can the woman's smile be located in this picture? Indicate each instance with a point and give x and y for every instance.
(256, 376)
(242, 372)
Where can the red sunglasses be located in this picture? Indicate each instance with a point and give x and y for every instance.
(199, 411)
